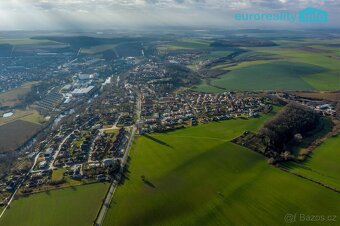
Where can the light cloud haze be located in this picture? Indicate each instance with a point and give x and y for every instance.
(108, 14)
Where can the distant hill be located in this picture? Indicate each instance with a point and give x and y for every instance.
(87, 41)
(243, 43)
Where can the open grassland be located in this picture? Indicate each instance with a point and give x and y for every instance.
(15, 134)
(68, 207)
(320, 61)
(15, 96)
(326, 80)
(323, 164)
(195, 176)
(205, 87)
(281, 75)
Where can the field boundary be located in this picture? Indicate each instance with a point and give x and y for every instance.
(311, 180)
(208, 138)
(53, 189)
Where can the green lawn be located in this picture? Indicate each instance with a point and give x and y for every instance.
(323, 165)
(72, 206)
(195, 176)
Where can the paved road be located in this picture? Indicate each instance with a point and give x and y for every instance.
(106, 204)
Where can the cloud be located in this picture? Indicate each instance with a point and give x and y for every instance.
(70, 14)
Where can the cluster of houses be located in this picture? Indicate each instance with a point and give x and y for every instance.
(17, 70)
(152, 76)
(116, 99)
(76, 148)
(48, 149)
(183, 58)
(36, 179)
(179, 110)
(225, 105)
(109, 145)
(165, 113)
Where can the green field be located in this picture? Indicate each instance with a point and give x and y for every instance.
(15, 96)
(58, 174)
(29, 115)
(279, 75)
(327, 80)
(294, 65)
(323, 164)
(205, 87)
(187, 44)
(72, 206)
(195, 176)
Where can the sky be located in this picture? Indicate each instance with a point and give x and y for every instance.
(112, 14)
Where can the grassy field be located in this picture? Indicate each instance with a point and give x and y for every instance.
(72, 206)
(195, 176)
(281, 75)
(58, 174)
(328, 80)
(207, 88)
(28, 115)
(13, 97)
(323, 164)
(309, 65)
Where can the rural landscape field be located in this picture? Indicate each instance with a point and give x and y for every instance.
(169, 112)
(219, 182)
(56, 206)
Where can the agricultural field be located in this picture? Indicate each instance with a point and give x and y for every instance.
(331, 96)
(280, 75)
(293, 65)
(219, 182)
(77, 205)
(29, 115)
(14, 134)
(25, 41)
(15, 96)
(323, 163)
(206, 87)
(187, 44)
